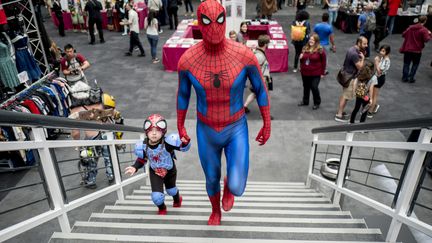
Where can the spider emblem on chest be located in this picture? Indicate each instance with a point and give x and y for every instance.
(216, 78)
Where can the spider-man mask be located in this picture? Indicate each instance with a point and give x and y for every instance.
(211, 19)
(155, 121)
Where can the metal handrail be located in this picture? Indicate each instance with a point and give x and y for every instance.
(9, 118)
(408, 186)
(377, 126)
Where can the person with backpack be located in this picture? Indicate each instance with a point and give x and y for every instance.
(366, 24)
(300, 30)
(364, 84)
(73, 65)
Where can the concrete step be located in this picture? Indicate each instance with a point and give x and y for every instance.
(92, 238)
(202, 182)
(248, 189)
(229, 231)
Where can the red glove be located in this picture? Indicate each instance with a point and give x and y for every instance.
(264, 133)
(181, 117)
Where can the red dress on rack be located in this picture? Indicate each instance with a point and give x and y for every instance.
(3, 19)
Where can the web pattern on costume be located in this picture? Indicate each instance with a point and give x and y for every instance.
(217, 71)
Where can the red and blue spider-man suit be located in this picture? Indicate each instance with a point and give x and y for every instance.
(218, 68)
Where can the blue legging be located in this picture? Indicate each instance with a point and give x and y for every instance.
(234, 140)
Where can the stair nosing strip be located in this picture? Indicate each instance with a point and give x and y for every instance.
(247, 198)
(234, 210)
(230, 228)
(249, 182)
(202, 188)
(230, 218)
(241, 204)
(280, 194)
(172, 239)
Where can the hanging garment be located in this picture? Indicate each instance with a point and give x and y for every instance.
(3, 19)
(24, 59)
(8, 71)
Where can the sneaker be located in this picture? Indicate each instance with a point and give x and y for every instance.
(302, 104)
(124, 34)
(192, 14)
(110, 179)
(156, 60)
(161, 31)
(102, 41)
(128, 54)
(186, 14)
(370, 115)
(142, 55)
(345, 115)
(376, 108)
(91, 43)
(365, 108)
(75, 30)
(315, 107)
(340, 119)
(90, 184)
(294, 70)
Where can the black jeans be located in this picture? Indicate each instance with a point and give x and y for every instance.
(298, 50)
(188, 5)
(310, 83)
(408, 58)
(135, 41)
(59, 17)
(172, 13)
(380, 34)
(360, 102)
(98, 22)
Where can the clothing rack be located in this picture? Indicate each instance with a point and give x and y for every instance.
(15, 99)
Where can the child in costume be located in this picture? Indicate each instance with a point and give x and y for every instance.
(159, 149)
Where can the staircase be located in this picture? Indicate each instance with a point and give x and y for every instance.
(267, 212)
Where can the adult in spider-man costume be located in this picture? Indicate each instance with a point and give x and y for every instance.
(218, 68)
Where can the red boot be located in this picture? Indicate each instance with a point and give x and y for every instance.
(162, 210)
(216, 215)
(228, 197)
(178, 204)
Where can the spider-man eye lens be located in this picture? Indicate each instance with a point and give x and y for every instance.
(161, 124)
(221, 18)
(147, 124)
(206, 20)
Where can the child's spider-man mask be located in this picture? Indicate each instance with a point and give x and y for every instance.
(211, 19)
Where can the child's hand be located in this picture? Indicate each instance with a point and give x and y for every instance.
(130, 170)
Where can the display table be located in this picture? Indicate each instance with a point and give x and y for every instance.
(347, 22)
(188, 35)
(67, 18)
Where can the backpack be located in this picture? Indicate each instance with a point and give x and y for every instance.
(370, 24)
(298, 31)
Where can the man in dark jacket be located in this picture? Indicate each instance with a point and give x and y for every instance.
(415, 38)
(93, 8)
(56, 8)
(172, 13)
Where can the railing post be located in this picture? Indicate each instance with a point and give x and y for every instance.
(115, 165)
(342, 168)
(409, 186)
(147, 165)
(52, 179)
(312, 160)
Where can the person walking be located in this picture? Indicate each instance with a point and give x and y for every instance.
(380, 31)
(366, 24)
(188, 5)
(415, 38)
(93, 8)
(56, 8)
(172, 14)
(312, 68)
(333, 7)
(326, 35)
(300, 30)
(156, 7)
(354, 61)
(134, 31)
(151, 25)
(392, 7)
